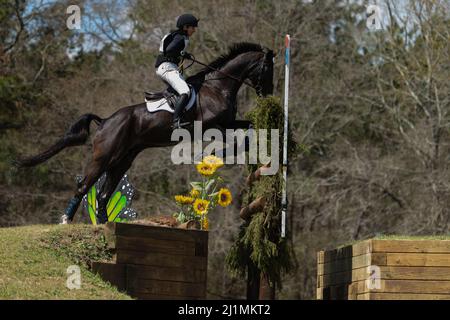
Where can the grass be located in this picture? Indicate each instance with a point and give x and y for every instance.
(34, 262)
(406, 237)
(397, 237)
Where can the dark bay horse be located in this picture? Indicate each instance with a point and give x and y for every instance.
(122, 136)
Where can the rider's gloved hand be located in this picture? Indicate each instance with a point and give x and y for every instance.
(186, 55)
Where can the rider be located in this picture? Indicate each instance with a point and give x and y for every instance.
(171, 53)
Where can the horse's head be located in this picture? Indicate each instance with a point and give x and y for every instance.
(244, 61)
(261, 75)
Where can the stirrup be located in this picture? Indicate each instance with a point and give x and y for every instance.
(177, 124)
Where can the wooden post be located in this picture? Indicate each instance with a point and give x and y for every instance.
(253, 282)
(266, 291)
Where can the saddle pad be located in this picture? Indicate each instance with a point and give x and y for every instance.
(162, 104)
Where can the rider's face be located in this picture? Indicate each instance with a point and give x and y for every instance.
(190, 30)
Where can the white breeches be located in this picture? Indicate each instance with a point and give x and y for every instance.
(169, 72)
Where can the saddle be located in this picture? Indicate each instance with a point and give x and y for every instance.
(169, 94)
(166, 100)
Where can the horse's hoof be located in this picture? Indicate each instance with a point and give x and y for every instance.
(65, 219)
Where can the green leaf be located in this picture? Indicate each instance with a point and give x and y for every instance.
(92, 215)
(196, 185)
(118, 208)
(209, 184)
(112, 202)
(92, 198)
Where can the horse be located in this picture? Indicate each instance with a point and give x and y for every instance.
(131, 129)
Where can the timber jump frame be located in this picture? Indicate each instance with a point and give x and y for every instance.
(385, 270)
(156, 262)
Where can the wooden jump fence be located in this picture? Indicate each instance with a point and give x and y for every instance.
(152, 262)
(385, 270)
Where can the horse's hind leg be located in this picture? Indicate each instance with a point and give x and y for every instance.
(113, 177)
(92, 173)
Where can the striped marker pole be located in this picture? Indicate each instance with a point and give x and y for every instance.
(285, 138)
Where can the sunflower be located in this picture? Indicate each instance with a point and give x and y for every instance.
(195, 193)
(214, 161)
(201, 206)
(184, 199)
(205, 224)
(206, 169)
(224, 197)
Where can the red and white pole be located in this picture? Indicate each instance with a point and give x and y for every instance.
(285, 136)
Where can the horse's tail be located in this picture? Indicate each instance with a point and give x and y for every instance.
(75, 136)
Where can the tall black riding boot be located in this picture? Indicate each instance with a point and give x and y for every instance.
(179, 107)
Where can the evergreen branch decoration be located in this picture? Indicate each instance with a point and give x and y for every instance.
(259, 239)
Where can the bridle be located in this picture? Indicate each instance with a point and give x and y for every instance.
(257, 87)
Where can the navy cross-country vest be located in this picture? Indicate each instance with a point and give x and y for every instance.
(171, 47)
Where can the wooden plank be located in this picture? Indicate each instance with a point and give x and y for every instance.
(386, 272)
(415, 273)
(326, 293)
(112, 273)
(363, 296)
(319, 294)
(338, 292)
(403, 296)
(378, 259)
(171, 288)
(362, 248)
(407, 286)
(201, 248)
(337, 254)
(353, 291)
(155, 232)
(160, 259)
(166, 273)
(320, 257)
(337, 278)
(418, 259)
(152, 245)
(411, 246)
(357, 249)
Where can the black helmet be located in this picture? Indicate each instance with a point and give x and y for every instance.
(187, 20)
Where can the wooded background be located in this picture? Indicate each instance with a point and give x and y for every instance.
(371, 106)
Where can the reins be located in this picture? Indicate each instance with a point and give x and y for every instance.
(223, 73)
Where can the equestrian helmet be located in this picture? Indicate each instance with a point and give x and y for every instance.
(187, 20)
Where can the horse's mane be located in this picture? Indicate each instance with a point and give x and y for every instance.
(234, 50)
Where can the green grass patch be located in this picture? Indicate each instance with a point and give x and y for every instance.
(397, 237)
(407, 237)
(34, 262)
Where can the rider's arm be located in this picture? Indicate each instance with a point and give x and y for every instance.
(175, 46)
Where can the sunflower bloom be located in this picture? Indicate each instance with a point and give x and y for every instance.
(224, 197)
(184, 199)
(206, 169)
(214, 161)
(201, 206)
(195, 193)
(205, 224)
